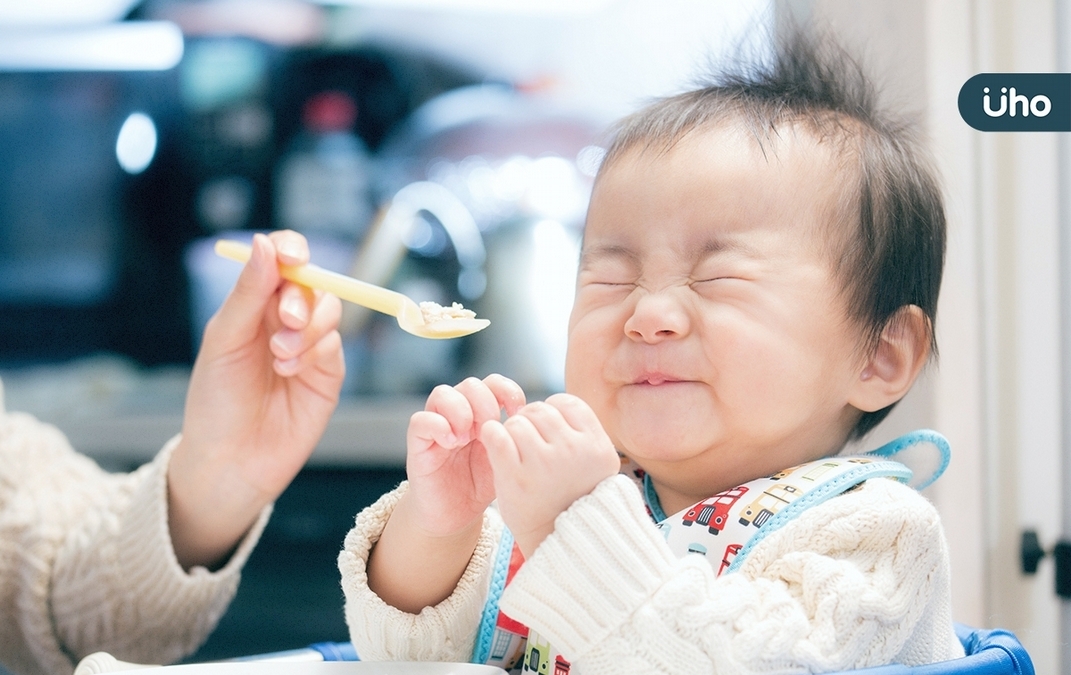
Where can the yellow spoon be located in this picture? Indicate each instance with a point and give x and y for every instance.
(426, 320)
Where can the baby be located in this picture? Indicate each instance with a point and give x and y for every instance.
(758, 284)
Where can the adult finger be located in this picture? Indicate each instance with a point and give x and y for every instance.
(288, 343)
(323, 357)
(292, 248)
(241, 313)
(296, 303)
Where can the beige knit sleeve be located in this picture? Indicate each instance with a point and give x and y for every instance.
(122, 560)
(445, 632)
(860, 580)
(87, 563)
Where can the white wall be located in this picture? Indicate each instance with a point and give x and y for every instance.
(996, 392)
(1018, 215)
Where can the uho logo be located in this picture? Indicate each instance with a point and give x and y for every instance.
(1017, 102)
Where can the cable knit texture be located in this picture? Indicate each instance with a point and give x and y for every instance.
(86, 562)
(445, 632)
(860, 580)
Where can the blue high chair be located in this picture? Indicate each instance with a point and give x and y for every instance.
(988, 652)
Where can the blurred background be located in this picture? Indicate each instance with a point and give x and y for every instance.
(446, 148)
(443, 149)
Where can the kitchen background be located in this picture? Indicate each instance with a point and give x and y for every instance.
(446, 148)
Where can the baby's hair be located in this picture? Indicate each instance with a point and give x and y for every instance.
(888, 245)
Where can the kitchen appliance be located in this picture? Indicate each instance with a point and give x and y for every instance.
(81, 270)
(521, 170)
(92, 254)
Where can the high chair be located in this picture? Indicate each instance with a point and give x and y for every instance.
(989, 652)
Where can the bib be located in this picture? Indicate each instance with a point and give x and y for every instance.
(723, 528)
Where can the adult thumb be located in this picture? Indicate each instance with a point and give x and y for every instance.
(243, 310)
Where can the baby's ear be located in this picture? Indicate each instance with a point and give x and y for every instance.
(893, 366)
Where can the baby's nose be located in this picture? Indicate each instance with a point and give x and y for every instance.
(657, 317)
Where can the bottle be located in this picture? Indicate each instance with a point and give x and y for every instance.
(323, 182)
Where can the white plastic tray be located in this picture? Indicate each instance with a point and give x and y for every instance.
(310, 668)
(335, 668)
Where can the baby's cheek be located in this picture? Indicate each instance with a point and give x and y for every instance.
(582, 364)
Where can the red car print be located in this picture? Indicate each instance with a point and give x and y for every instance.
(714, 512)
(730, 552)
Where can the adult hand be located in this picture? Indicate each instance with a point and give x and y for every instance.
(263, 388)
(544, 458)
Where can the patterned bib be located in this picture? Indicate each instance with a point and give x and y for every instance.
(723, 528)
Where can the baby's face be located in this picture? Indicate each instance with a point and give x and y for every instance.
(709, 333)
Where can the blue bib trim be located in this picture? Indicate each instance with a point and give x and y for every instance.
(831, 488)
(650, 496)
(913, 439)
(482, 649)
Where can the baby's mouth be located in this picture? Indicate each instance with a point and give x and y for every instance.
(656, 379)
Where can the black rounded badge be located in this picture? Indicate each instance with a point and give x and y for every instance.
(1017, 102)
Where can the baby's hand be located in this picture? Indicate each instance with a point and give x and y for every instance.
(544, 458)
(450, 480)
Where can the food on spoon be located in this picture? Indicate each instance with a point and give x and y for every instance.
(433, 311)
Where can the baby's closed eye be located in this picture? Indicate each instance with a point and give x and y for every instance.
(721, 270)
(707, 277)
(721, 277)
(606, 275)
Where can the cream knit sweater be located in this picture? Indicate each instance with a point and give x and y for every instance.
(86, 562)
(860, 580)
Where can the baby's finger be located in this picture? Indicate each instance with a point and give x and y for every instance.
(452, 404)
(545, 419)
(530, 443)
(428, 428)
(508, 393)
(502, 452)
(482, 400)
(577, 413)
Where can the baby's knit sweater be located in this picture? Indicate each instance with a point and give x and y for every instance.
(860, 580)
(86, 562)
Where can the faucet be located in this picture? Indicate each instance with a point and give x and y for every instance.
(384, 246)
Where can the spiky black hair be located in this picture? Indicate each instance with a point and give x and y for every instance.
(889, 246)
